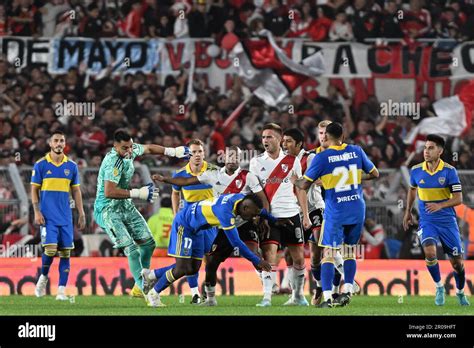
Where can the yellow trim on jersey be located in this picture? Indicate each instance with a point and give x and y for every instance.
(228, 228)
(319, 149)
(434, 194)
(179, 256)
(330, 181)
(370, 171)
(308, 178)
(235, 206)
(179, 240)
(50, 160)
(203, 169)
(33, 183)
(338, 147)
(75, 185)
(438, 168)
(40, 160)
(56, 184)
(197, 195)
(209, 214)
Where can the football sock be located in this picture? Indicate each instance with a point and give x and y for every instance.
(287, 279)
(165, 280)
(46, 264)
(210, 291)
(160, 271)
(433, 268)
(64, 268)
(146, 251)
(350, 267)
(298, 281)
(193, 283)
(134, 263)
(460, 278)
(268, 281)
(327, 275)
(316, 272)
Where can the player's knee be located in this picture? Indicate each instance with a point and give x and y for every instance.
(50, 250)
(458, 265)
(431, 260)
(65, 253)
(329, 259)
(131, 250)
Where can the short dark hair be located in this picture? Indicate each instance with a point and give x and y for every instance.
(273, 127)
(121, 135)
(60, 132)
(334, 130)
(166, 202)
(255, 199)
(195, 142)
(438, 140)
(296, 134)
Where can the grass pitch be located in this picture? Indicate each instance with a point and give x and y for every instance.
(227, 305)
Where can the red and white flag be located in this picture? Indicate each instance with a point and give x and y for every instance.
(454, 116)
(269, 72)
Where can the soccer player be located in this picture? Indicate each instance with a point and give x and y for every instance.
(274, 169)
(54, 177)
(293, 140)
(114, 210)
(340, 169)
(191, 222)
(229, 179)
(439, 190)
(191, 194)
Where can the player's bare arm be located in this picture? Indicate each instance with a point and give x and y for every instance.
(39, 218)
(374, 174)
(77, 195)
(452, 202)
(176, 181)
(408, 218)
(175, 199)
(303, 202)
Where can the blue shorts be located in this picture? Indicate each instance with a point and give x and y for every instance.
(333, 234)
(185, 242)
(209, 238)
(62, 236)
(445, 232)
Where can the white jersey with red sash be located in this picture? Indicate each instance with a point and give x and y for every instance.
(274, 174)
(315, 199)
(240, 182)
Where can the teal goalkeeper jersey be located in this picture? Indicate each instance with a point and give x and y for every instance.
(118, 170)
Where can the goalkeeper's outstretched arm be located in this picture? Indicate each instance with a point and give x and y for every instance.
(147, 193)
(180, 151)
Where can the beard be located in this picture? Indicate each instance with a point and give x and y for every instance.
(58, 151)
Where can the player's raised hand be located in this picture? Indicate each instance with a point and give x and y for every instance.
(148, 193)
(407, 220)
(39, 218)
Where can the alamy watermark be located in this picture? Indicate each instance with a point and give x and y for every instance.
(406, 109)
(81, 109)
(20, 251)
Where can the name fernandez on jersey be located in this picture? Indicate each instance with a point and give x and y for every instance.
(340, 170)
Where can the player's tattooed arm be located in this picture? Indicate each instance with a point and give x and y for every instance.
(176, 181)
(301, 183)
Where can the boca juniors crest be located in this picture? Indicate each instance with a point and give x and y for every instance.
(67, 172)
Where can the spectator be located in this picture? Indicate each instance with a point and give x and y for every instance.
(4, 27)
(181, 28)
(49, 14)
(373, 237)
(24, 19)
(341, 29)
(160, 226)
(197, 20)
(391, 27)
(276, 18)
(132, 25)
(91, 25)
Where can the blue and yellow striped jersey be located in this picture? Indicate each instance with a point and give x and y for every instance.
(340, 169)
(215, 212)
(436, 186)
(55, 181)
(194, 193)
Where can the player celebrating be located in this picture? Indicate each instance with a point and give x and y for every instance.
(54, 177)
(191, 222)
(439, 190)
(114, 210)
(274, 169)
(229, 179)
(339, 168)
(191, 194)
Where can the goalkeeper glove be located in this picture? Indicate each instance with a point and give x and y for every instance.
(148, 193)
(180, 152)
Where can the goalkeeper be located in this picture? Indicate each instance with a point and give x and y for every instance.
(114, 210)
